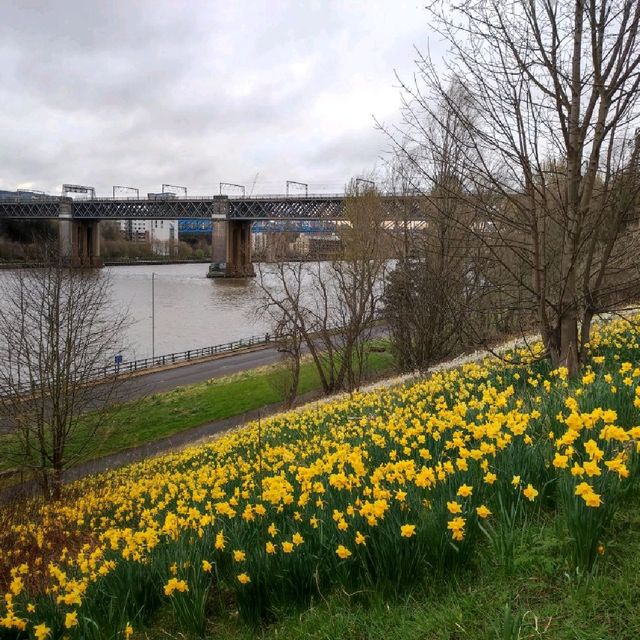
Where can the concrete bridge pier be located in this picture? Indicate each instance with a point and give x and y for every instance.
(79, 240)
(218, 266)
(239, 263)
(230, 244)
(231, 250)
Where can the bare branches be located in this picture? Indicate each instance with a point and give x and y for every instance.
(56, 334)
(536, 95)
(331, 306)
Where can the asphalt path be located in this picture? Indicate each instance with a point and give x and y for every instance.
(148, 383)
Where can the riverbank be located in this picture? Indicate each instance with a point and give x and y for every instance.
(115, 262)
(162, 422)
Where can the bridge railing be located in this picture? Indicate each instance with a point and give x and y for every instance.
(11, 199)
(185, 356)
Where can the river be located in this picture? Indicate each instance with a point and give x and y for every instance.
(191, 310)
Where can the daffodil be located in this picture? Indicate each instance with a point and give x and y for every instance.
(342, 552)
(71, 620)
(483, 511)
(41, 631)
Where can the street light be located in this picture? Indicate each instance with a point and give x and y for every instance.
(153, 315)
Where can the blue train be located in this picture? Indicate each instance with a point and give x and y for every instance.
(190, 225)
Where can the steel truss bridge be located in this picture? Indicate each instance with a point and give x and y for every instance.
(312, 207)
(276, 207)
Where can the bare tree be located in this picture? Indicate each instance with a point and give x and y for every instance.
(549, 149)
(57, 332)
(282, 313)
(332, 306)
(435, 280)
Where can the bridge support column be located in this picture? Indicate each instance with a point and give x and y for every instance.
(230, 244)
(231, 250)
(239, 263)
(218, 266)
(79, 240)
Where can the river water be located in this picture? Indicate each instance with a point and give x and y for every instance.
(191, 310)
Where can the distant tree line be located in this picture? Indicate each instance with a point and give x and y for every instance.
(21, 240)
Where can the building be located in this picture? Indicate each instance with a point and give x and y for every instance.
(160, 234)
(319, 247)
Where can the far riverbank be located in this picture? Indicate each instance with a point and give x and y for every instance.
(112, 263)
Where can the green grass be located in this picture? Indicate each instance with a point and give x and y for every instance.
(540, 600)
(164, 414)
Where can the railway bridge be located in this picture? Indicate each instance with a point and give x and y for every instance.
(231, 218)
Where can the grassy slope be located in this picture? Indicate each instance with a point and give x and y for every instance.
(544, 602)
(165, 414)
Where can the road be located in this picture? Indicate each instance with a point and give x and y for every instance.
(164, 380)
(150, 382)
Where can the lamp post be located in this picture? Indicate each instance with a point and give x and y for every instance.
(153, 315)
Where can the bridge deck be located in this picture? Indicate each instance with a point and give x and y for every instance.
(272, 207)
(316, 207)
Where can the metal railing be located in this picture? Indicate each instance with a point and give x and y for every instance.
(184, 356)
(203, 352)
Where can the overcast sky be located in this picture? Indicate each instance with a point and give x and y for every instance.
(196, 92)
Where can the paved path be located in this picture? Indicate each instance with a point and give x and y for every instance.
(170, 378)
(147, 383)
(151, 382)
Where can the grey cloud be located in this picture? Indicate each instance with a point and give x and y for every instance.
(142, 92)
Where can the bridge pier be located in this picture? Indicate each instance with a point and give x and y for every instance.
(79, 240)
(239, 263)
(218, 265)
(231, 249)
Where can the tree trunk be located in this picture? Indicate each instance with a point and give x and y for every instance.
(568, 356)
(56, 483)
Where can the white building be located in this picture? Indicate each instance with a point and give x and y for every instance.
(161, 234)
